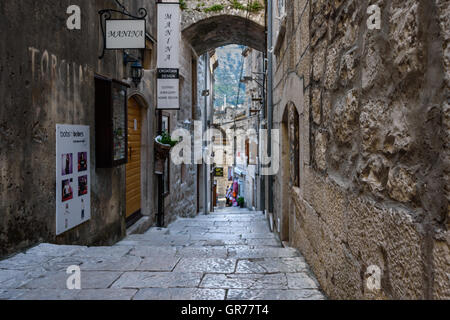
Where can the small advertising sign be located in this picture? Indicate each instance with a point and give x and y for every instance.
(169, 36)
(73, 177)
(125, 34)
(218, 172)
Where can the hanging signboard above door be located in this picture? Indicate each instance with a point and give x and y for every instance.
(169, 37)
(125, 34)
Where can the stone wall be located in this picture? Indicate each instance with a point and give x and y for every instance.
(373, 145)
(183, 185)
(47, 76)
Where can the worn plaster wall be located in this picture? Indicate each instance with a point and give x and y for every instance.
(47, 77)
(183, 191)
(373, 145)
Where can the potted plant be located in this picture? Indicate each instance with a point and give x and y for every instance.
(241, 202)
(163, 145)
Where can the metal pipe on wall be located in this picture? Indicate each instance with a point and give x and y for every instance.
(205, 125)
(270, 95)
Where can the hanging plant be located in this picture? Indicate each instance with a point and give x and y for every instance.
(166, 139)
(183, 5)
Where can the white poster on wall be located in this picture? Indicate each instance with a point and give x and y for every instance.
(73, 177)
(125, 34)
(169, 37)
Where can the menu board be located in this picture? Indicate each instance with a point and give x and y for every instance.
(119, 121)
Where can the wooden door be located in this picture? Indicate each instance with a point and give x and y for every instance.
(133, 168)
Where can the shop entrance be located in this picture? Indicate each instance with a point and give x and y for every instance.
(133, 168)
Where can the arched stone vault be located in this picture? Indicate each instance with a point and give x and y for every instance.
(209, 30)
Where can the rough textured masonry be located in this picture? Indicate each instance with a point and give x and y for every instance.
(373, 142)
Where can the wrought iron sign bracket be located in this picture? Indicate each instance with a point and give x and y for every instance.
(106, 14)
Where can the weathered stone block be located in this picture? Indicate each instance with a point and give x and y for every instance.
(329, 201)
(406, 47)
(347, 71)
(303, 31)
(374, 173)
(316, 105)
(321, 150)
(319, 61)
(345, 114)
(347, 24)
(404, 254)
(373, 119)
(304, 69)
(332, 68)
(402, 185)
(441, 263)
(326, 109)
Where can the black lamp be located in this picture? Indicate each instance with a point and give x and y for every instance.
(136, 72)
(136, 68)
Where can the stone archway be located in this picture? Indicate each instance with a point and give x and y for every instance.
(210, 24)
(218, 31)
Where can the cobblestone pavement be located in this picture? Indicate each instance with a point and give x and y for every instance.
(221, 256)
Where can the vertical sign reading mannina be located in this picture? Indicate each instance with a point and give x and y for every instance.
(169, 37)
(73, 177)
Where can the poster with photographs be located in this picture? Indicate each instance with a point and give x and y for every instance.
(73, 186)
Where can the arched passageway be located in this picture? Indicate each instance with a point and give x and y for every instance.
(218, 31)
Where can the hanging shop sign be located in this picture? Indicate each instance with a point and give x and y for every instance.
(73, 177)
(125, 34)
(169, 37)
(129, 33)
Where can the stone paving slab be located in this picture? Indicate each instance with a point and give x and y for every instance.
(150, 251)
(140, 280)
(128, 263)
(272, 265)
(106, 294)
(62, 263)
(271, 242)
(53, 250)
(220, 243)
(215, 257)
(264, 295)
(94, 252)
(206, 265)
(216, 236)
(24, 262)
(89, 280)
(12, 279)
(159, 264)
(180, 294)
(245, 281)
(263, 253)
(11, 294)
(202, 252)
(49, 294)
(301, 281)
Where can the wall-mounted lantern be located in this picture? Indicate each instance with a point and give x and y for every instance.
(137, 72)
(136, 68)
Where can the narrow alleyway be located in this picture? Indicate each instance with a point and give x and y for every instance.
(221, 256)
